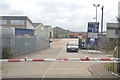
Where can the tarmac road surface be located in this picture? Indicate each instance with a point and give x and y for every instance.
(51, 69)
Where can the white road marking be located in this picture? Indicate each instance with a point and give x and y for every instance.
(51, 64)
(67, 68)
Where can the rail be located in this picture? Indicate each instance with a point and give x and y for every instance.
(81, 60)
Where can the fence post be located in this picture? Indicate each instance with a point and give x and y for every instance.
(118, 45)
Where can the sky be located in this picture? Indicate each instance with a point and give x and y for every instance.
(71, 15)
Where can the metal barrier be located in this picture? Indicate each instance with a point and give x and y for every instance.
(86, 60)
(43, 68)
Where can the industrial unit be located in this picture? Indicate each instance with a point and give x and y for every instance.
(20, 35)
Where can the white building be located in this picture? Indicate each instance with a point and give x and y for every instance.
(112, 30)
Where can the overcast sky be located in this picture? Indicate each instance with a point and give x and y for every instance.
(69, 14)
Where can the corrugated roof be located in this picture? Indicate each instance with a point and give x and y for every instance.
(47, 26)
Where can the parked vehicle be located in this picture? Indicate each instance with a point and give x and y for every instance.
(72, 46)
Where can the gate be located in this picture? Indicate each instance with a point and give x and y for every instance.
(37, 69)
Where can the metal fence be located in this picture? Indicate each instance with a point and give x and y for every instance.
(19, 45)
(42, 43)
(23, 45)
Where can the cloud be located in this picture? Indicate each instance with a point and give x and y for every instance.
(4, 6)
(68, 14)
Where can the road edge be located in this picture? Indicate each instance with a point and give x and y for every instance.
(93, 73)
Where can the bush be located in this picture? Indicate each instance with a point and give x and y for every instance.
(112, 67)
(6, 53)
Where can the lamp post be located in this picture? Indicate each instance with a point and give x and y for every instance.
(96, 6)
(96, 9)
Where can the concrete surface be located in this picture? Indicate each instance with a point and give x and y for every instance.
(52, 69)
(102, 72)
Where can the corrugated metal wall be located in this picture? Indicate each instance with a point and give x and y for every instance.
(108, 43)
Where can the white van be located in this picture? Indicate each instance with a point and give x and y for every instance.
(72, 46)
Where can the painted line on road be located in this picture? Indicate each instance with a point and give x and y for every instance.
(68, 68)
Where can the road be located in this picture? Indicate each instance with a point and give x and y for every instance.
(52, 69)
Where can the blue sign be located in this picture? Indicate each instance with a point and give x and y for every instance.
(22, 32)
(93, 30)
(93, 27)
(92, 41)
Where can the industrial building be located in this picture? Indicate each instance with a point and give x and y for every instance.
(21, 35)
(109, 37)
(17, 22)
(60, 33)
(49, 31)
(42, 38)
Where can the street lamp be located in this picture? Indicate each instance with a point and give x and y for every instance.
(96, 17)
(96, 10)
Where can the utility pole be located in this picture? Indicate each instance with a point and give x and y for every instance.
(101, 27)
(96, 6)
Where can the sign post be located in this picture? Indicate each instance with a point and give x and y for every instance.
(92, 34)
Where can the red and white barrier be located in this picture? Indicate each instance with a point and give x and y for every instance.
(91, 60)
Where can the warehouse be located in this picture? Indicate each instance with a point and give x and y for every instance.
(60, 33)
(49, 31)
(42, 38)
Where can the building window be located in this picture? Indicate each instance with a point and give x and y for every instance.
(2, 22)
(17, 22)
